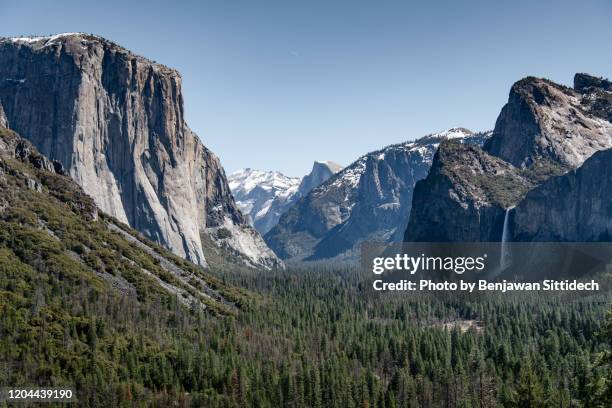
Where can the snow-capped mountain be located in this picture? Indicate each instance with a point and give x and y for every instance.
(265, 195)
(368, 200)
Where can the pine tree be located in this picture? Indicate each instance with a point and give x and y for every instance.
(529, 390)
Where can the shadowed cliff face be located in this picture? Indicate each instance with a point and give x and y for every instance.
(115, 121)
(321, 172)
(544, 131)
(575, 207)
(464, 196)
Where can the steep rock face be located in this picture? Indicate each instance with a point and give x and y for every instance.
(544, 120)
(464, 196)
(544, 131)
(115, 121)
(12, 145)
(266, 195)
(368, 200)
(574, 207)
(321, 171)
(3, 119)
(69, 238)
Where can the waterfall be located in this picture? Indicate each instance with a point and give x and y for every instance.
(505, 258)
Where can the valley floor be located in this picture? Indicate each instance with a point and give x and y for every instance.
(303, 338)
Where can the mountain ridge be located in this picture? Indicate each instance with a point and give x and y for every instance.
(365, 201)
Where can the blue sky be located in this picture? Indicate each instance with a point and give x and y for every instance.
(275, 85)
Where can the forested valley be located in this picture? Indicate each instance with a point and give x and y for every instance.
(301, 338)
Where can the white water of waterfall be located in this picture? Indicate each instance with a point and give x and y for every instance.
(505, 259)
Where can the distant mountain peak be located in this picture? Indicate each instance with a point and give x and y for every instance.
(264, 196)
(333, 166)
(321, 171)
(545, 121)
(455, 133)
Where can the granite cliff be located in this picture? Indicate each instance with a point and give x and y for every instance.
(50, 226)
(574, 207)
(115, 121)
(545, 130)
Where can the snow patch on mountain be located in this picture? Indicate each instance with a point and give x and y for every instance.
(243, 182)
(425, 146)
(262, 195)
(265, 195)
(33, 39)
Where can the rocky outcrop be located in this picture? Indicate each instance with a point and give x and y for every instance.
(596, 95)
(25, 152)
(574, 207)
(12, 146)
(464, 197)
(115, 121)
(3, 120)
(321, 171)
(586, 83)
(546, 121)
(544, 131)
(368, 200)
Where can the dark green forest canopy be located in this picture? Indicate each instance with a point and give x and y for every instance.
(76, 309)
